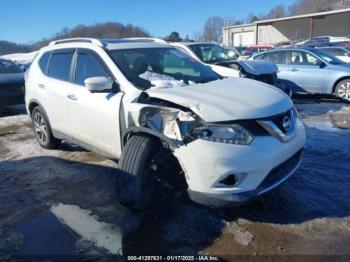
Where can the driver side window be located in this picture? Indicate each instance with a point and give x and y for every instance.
(88, 66)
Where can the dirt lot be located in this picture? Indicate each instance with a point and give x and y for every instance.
(62, 202)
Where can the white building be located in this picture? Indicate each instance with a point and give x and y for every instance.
(292, 28)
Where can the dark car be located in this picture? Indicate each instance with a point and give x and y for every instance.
(11, 83)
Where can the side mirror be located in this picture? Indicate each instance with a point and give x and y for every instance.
(321, 64)
(98, 84)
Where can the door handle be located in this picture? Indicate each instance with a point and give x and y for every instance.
(72, 97)
(42, 86)
(294, 70)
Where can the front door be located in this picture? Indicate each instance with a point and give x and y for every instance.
(94, 117)
(308, 72)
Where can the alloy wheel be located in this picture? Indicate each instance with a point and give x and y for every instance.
(40, 127)
(344, 90)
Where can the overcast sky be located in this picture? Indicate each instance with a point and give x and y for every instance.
(24, 21)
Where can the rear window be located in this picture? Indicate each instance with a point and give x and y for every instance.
(60, 64)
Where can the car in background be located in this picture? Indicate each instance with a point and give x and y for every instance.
(11, 83)
(322, 40)
(254, 49)
(241, 50)
(340, 52)
(222, 63)
(232, 52)
(310, 70)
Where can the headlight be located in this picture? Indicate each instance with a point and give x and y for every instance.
(229, 134)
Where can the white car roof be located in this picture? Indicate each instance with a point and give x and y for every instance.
(111, 44)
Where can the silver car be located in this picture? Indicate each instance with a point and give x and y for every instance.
(310, 70)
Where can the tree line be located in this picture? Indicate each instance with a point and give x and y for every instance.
(101, 30)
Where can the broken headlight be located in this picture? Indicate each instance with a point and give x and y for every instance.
(228, 134)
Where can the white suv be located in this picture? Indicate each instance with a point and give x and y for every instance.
(133, 100)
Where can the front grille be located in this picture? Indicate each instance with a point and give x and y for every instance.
(281, 171)
(278, 121)
(253, 127)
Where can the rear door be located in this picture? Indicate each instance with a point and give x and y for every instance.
(94, 117)
(54, 86)
(306, 72)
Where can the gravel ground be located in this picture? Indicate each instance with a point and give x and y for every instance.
(62, 202)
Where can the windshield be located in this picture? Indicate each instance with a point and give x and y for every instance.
(8, 67)
(328, 58)
(210, 53)
(160, 67)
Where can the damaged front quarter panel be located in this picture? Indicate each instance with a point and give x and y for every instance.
(170, 122)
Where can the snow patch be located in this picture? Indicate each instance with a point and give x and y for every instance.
(86, 225)
(162, 81)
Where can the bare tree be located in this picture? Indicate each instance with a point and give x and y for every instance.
(276, 12)
(197, 36)
(312, 6)
(212, 30)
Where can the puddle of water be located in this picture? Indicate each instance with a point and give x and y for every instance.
(83, 223)
(38, 237)
(92, 157)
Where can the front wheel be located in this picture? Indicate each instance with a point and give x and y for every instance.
(342, 90)
(136, 181)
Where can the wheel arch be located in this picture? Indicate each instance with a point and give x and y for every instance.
(150, 132)
(33, 104)
(338, 81)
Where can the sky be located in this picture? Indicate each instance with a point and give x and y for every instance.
(26, 21)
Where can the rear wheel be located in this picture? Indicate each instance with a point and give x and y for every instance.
(136, 181)
(342, 90)
(42, 129)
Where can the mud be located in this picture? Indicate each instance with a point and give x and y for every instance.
(308, 215)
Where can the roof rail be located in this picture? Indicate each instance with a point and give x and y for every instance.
(74, 40)
(150, 39)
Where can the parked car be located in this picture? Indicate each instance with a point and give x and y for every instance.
(232, 52)
(11, 84)
(318, 40)
(310, 70)
(141, 102)
(241, 50)
(339, 52)
(222, 63)
(254, 49)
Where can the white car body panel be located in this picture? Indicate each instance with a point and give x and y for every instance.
(228, 99)
(95, 120)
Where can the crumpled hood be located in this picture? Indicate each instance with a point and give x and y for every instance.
(228, 99)
(258, 67)
(15, 78)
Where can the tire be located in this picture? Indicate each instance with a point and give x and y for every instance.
(342, 90)
(136, 181)
(42, 129)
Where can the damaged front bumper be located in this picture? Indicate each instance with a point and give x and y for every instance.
(265, 164)
(275, 178)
